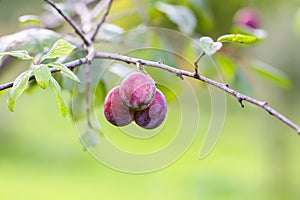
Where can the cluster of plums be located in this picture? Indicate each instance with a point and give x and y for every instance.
(136, 99)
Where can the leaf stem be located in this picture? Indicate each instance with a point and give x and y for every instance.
(197, 61)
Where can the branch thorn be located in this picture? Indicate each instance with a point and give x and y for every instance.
(179, 75)
(240, 99)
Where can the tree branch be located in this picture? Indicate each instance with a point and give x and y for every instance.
(180, 73)
(85, 39)
(72, 64)
(240, 97)
(102, 20)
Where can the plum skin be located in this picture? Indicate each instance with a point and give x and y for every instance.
(137, 90)
(247, 17)
(154, 115)
(138, 99)
(115, 111)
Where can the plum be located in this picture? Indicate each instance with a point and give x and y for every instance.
(115, 111)
(247, 17)
(154, 115)
(137, 90)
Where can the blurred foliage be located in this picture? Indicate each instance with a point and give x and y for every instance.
(256, 157)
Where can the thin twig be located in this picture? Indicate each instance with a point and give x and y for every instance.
(178, 72)
(102, 20)
(89, 57)
(196, 63)
(98, 8)
(87, 93)
(85, 39)
(6, 86)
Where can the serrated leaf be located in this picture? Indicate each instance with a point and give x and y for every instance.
(182, 16)
(29, 19)
(209, 46)
(18, 88)
(20, 54)
(238, 38)
(89, 138)
(62, 105)
(64, 70)
(271, 73)
(60, 48)
(42, 75)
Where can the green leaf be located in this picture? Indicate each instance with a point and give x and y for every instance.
(238, 38)
(18, 88)
(2, 92)
(99, 94)
(20, 54)
(260, 34)
(59, 49)
(34, 40)
(209, 46)
(29, 19)
(42, 75)
(271, 73)
(64, 70)
(182, 16)
(62, 105)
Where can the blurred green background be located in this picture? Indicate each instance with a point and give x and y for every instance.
(256, 157)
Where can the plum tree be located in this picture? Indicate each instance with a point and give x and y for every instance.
(134, 99)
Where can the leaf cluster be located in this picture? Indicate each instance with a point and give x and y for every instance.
(41, 71)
